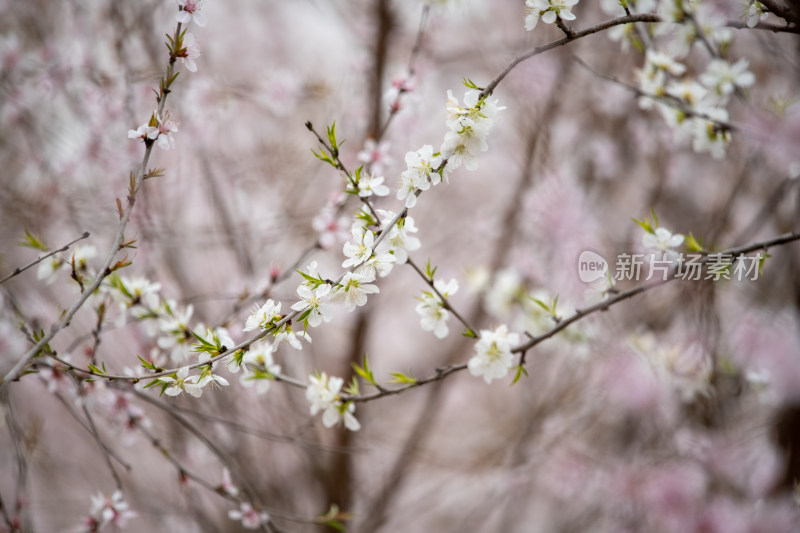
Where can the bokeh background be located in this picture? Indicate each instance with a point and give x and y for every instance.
(674, 411)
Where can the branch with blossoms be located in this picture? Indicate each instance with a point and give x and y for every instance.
(181, 45)
(495, 348)
(190, 357)
(465, 139)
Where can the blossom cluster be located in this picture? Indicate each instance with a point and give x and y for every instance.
(695, 107)
(468, 126)
(107, 511)
(493, 358)
(433, 315)
(156, 129)
(323, 393)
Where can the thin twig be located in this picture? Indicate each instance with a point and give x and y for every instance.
(644, 17)
(91, 429)
(64, 248)
(394, 108)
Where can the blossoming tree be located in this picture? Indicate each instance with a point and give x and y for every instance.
(388, 266)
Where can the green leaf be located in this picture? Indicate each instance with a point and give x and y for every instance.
(322, 156)
(520, 371)
(352, 388)
(304, 316)
(95, 370)
(655, 218)
(147, 364)
(156, 382)
(332, 518)
(332, 136)
(335, 524)
(761, 260)
(32, 242)
(430, 272)
(399, 377)
(692, 244)
(316, 282)
(262, 373)
(364, 371)
(238, 356)
(470, 84)
(469, 334)
(645, 224)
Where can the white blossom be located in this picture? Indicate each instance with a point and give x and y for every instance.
(207, 376)
(755, 14)
(227, 485)
(399, 240)
(190, 52)
(323, 395)
(250, 518)
(418, 174)
(258, 364)
(81, 256)
(359, 249)
(263, 317)
(218, 337)
(190, 10)
(176, 335)
(370, 184)
(548, 11)
(143, 132)
(105, 510)
(468, 128)
(662, 240)
(290, 336)
(709, 135)
(166, 128)
(723, 78)
(183, 382)
(493, 358)
(315, 301)
(48, 268)
(353, 289)
(433, 315)
(504, 292)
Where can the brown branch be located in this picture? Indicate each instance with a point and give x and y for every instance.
(644, 17)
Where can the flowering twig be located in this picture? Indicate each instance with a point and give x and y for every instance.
(64, 248)
(445, 303)
(665, 99)
(579, 314)
(134, 187)
(628, 19)
(334, 152)
(108, 451)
